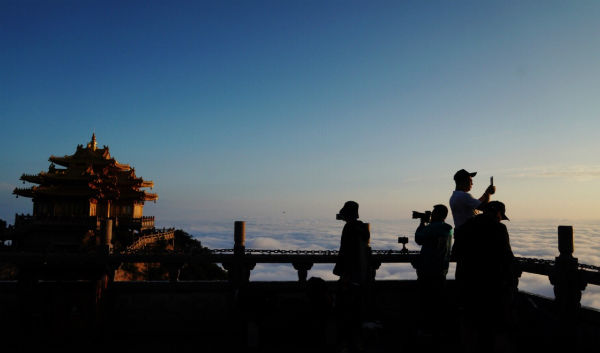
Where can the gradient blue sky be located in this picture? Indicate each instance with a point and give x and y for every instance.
(240, 109)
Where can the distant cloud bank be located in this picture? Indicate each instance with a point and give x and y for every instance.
(577, 172)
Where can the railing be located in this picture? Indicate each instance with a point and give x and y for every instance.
(147, 222)
(565, 273)
(142, 223)
(143, 241)
(23, 219)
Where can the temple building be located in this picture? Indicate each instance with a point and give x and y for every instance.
(85, 199)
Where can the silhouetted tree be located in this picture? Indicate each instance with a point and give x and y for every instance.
(203, 270)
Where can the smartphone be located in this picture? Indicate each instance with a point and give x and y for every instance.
(492, 180)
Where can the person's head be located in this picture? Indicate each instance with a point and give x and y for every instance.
(350, 211)
(495, 209)
(464, 180)
(439, 213)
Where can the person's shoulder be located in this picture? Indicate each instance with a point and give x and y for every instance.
(501, 226)
(461, 195)
(467, 195)
(440, 225)
(482, 219)
(357, 224)
(446, 226)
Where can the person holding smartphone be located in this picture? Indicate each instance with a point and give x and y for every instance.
(463, 205)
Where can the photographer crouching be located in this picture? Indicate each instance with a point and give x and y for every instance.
(435, 237)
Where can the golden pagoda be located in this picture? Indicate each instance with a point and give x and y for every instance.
(80, 196)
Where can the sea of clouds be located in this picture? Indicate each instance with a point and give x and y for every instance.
(536, 239)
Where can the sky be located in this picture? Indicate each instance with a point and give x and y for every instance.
(257, 109)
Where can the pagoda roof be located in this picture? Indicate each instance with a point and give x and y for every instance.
(53, 191)
(138, 195)
(45, 177)
(36, 191)
(89, 172)
(87, 156)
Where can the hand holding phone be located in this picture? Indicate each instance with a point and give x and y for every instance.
(491, 189)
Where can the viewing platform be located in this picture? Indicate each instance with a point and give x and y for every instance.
(94, 313)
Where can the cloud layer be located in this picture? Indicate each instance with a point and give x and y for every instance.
(575, 172)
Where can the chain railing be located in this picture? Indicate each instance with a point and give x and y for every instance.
(141, 254)
(589, 267)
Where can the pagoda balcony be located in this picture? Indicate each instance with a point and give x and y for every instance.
(141, 224)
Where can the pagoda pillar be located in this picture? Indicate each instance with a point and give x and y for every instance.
(108, 206)
(106, 243)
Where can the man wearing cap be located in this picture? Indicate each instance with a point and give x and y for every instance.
(462, 204)
(486, 276)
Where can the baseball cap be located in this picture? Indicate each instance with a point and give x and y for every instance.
(463, 174)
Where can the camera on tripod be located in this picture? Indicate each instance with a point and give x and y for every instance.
(403, 241)
(425, 217)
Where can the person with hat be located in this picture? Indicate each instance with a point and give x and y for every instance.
(352, 266)
(352, 261)
(486, 276)
(462, 204)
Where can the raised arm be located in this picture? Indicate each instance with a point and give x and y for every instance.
(485, 198)
(422, 234)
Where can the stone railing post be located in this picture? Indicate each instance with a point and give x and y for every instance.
(239, 238)
(239, 270)
(567, 280)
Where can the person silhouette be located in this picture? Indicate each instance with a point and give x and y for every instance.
(352, 261)
(462, 204)
(486, 276)
(352, 266)
(435, 238)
